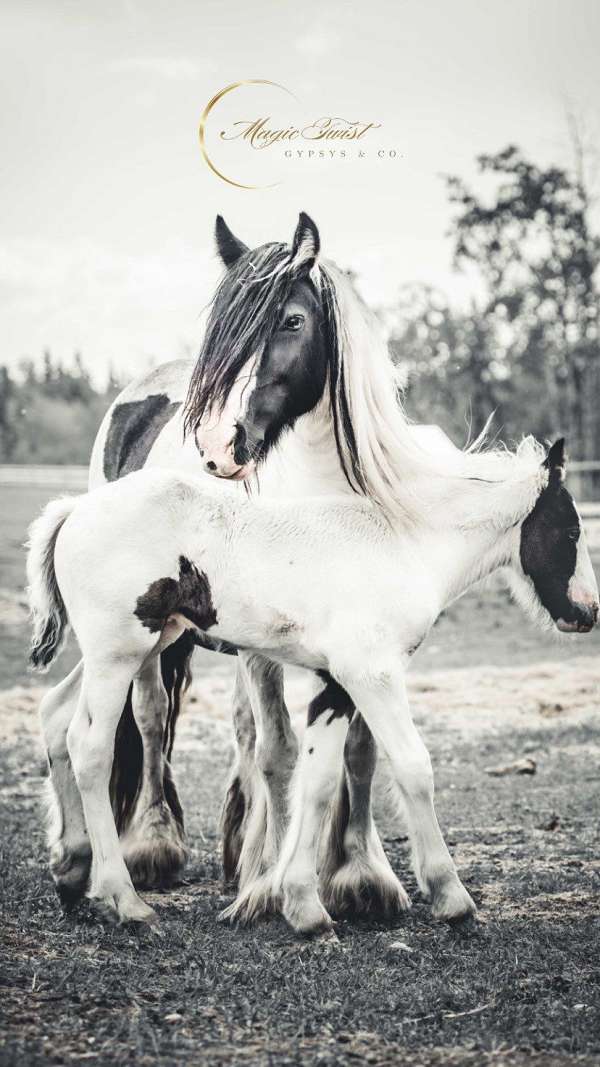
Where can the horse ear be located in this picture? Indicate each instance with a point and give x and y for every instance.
(306, 243)
(556, 462)
(229, 247)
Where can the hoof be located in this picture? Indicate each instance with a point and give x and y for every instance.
(306, 915)
(358, 889)
(70, 871)
(453, 904)
(254, 902)
(154, 862)
(123, 909)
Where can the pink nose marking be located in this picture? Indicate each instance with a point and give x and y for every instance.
(582, 596)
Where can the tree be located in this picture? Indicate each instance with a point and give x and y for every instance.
(538, 258)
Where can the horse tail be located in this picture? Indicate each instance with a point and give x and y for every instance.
(128, 763)
(48, 612)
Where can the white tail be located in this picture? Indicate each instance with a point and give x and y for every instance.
(46, 604)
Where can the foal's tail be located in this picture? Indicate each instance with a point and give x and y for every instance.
(47, 607)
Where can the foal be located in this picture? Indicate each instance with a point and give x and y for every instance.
(275, 579)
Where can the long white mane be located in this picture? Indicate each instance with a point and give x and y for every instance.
(406, 474)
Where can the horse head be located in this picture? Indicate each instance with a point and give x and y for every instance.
(264, 361)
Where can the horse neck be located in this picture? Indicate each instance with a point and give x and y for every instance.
(306, 461)
(471, 532)
(457, 559)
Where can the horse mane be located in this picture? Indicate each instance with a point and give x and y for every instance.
(379, 453)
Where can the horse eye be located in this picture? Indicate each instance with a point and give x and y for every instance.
(573, 533)
(293, 323)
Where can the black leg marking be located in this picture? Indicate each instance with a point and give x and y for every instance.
(333, 699)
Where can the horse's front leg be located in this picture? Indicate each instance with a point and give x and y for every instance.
(70, 852)
(384, 705)
(355, 873)
(275, 753)
(90, 740)
(152, 841)
(318, 770)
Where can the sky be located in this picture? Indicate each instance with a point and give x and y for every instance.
(106, 242)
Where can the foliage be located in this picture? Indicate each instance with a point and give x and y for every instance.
(530, 347)
(50, 415)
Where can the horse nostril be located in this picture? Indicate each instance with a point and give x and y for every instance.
(211, 466)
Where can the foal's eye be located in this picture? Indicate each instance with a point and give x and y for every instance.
(293, 323)
(573, 533)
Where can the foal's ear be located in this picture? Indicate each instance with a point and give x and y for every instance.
(556, 462)
(229, 247)
(306, 243)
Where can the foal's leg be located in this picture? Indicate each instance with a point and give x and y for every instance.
(152, 842)
(384, 706)
(314, 781)
(70, 852)
(275, 753)
(243, 784)
(355, 873)
(90, 740)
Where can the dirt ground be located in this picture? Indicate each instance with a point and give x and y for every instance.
(521, 988)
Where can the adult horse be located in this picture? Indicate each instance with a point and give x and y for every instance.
(292, 375)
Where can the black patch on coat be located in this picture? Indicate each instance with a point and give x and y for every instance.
(189, 595)
(133, 429)
(548, 549)
(332, 698)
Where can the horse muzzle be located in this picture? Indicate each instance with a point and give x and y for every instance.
(586, 617)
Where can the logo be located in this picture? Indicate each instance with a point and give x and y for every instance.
(252, 131)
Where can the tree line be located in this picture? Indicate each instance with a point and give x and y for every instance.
(527, 347)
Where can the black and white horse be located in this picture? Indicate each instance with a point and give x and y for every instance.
(293, 374)
(275, 579)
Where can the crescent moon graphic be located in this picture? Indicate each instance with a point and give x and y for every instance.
(207, 110)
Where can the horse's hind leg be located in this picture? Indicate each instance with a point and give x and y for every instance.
(275, 754)
(355, 873)
(70, 852)
(243, 784)
(141, 748)
(90, 740)
(152, 841)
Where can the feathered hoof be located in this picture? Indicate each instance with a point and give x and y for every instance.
(154, 862)
(254, 902)
(70, 870)
(307, 916)
(122, 909)
(356, 889)
(453, 904)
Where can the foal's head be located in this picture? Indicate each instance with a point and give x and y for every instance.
(264, 361)
(553, 552)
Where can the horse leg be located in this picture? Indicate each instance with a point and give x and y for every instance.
(275, 753)
(153, 845)
(70, 852)
(318, 769)
(355, 874)
(90, 741)
(242, 784)
(139, 750)
(384, 707)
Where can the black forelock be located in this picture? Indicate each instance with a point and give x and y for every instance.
(244, 314)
